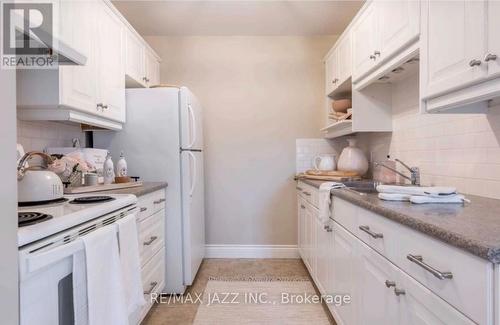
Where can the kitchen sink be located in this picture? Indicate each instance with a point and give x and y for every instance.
(362, 186)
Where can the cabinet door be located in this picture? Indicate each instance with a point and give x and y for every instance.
(152, 69)
(493, 56)
(307, 237)
(134, 61)
(330, 72)
(377, 278)
(364, 43)
(344, 266)
(322, 260)
(452, 45)
(77, 87)
(301, 206)
(111, 65)
(419, 306)
(344, 67)
(398, 25)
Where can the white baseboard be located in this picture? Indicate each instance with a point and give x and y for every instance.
(251, 251)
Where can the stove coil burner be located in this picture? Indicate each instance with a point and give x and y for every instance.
(92, 199)
(31, 218)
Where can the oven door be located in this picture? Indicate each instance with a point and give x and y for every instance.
(46, 284)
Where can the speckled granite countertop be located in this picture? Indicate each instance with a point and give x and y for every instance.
(147, 187)
(474, 227)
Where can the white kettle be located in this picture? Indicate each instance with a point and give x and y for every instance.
(35, 184)
(324, 162)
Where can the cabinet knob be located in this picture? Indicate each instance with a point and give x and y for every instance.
(372, 57)
(399, 292)
(328, 228)
(144, 78)
(105, 106)
(475, 62)
(376, 52)
(389, 283)
(490, 57)
(100, 105)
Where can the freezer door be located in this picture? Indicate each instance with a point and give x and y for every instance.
(193, 213)
(191, 120)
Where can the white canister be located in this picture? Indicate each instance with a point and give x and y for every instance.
(108, 170)
(352, 159)
(121, 166)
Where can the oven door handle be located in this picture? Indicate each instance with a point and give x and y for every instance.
(36, 261)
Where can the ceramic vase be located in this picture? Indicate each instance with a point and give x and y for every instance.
(352, 159)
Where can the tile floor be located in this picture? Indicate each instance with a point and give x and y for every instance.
(183, 314)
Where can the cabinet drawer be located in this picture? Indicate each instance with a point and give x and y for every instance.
(467, 280)
(153, 279)
(151, 235)
(378, 232)
(346, 214)
(309, 193)
(150, 203)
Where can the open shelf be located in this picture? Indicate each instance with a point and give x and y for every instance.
(338, 129)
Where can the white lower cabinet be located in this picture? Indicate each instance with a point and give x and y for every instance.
(385, 287)
(151, 235)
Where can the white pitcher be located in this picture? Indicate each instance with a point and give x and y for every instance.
(324, 162)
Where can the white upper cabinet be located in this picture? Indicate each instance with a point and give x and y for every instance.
(364, 43)
(453, 45)
(142, 68)
(343, 50)
(330, 72)
(398, 25)
(135, 66)
(492, 56)
(78, 83)
(111, 74)
(152, 69)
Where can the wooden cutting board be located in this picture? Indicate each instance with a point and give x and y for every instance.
(100, 187)
(335, 173)
(329, 178)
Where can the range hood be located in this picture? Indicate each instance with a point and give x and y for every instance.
(57, 49)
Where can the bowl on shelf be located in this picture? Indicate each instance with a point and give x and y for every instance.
(341, 105)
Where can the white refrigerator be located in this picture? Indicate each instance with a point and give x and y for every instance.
(162, 140)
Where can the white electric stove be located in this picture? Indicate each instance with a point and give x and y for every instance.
(49, 240)
(40, 221)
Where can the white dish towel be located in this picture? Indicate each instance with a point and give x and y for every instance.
(417, 190)
(130, 263)
(105, 291)
(325, 199)
(394, 197)
(432, 199)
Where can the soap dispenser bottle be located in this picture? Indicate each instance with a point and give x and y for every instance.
(108, 170)
(121, 166)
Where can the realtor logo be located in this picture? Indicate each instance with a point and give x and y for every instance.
(27, 40)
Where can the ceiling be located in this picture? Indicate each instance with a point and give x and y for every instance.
(183, 18)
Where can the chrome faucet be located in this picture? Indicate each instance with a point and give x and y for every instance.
(414, 172)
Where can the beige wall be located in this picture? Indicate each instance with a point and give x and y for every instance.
(259, 94)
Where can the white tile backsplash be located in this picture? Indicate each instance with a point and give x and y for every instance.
(461, 150)
(307, 149)
(37, 135)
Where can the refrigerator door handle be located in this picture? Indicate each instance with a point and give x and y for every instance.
(193, 174)
(193, 125)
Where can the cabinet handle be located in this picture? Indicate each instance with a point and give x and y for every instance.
(399, 292)
(144, 78)
(105, 106)
(101, 105)
(307, 193)
(475, 62)
(142, 209)
(371, 233)
(159, 201)
(490, 57)
(419, 260)
(153, 286)
(372, 57)
(328, 228)
(376, 53)
(302, 206)
(299, 188)
(389, 284)
(150, 241)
